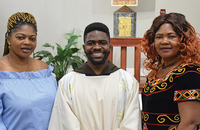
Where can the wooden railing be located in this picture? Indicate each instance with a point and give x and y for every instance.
(124, 43)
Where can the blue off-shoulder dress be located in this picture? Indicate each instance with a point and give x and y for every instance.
(26, 104)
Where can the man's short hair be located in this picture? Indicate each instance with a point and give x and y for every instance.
(96, 26)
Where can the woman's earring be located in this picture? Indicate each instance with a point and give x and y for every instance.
(8, 45)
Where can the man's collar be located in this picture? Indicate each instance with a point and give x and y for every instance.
(85, 69)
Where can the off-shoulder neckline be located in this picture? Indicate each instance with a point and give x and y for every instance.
(23, 75)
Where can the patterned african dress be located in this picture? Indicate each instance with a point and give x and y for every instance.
(160, 97)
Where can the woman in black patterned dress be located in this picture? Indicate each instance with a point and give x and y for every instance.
(171, 95)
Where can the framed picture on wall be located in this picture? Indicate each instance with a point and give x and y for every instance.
(124, 2)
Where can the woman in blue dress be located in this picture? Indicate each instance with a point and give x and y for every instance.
(27, 87)
(171, 95)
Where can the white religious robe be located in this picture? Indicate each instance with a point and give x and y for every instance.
(109, 102)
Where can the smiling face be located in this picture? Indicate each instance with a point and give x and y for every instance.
(166, 42)
(22, 41)
(97, 47)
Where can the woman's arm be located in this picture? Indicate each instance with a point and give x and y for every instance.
(2, 126)
(190, 115)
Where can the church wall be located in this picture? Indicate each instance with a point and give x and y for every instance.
(56, 17)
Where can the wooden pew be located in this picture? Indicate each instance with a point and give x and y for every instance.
(124, 43)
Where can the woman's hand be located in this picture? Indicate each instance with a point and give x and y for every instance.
(190, 115)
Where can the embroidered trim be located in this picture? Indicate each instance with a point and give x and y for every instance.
(176, 71)
(155, 85)
(173, 127)
(124, 88)
(147, 91)
(160, 118)
(145, 127)
(198, 69)
(182, 95)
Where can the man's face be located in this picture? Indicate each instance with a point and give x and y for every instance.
(97, 47)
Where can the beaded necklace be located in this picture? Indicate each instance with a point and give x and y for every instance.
(163, 66)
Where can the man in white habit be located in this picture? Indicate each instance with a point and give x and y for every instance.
(98, 95)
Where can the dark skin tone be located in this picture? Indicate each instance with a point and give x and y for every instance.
(97, 68)
(23, 43)
(166, 44)
(96, 45)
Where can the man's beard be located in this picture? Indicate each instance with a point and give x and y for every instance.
(98, 62)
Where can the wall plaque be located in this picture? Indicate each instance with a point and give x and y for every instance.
(124, 2)
(124, 22)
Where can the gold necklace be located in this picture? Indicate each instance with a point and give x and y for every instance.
(19, 67)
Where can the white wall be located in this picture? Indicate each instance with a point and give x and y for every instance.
(56, 17)
(190, 8)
